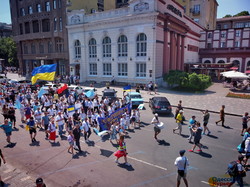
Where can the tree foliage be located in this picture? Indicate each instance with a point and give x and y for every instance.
(228, 16)
(193, 81)
(243, 13)
(8, 51)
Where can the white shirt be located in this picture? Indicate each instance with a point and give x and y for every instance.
(60, 120)
(85, 126)
(51, 111)
(247, 145)
(38, 114)
(180, 163)
(155, 122)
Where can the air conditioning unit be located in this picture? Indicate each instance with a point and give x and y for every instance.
(93, 11)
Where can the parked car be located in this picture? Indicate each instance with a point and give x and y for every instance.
(76, 88)
(160, 105)
(110, 93)
(24, 82)
(135, 99)
(39, 83)
(46, 87)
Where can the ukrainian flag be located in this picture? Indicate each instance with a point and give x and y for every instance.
(71, 108)
(45, 72)
(127, 88)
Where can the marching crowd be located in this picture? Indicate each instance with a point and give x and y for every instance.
(51, 113)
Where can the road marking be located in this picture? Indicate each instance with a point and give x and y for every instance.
(144, 162)
(85, 164)
(7, 171)
(7, 178)
(25, 178)
(205, 182)
(158, 178)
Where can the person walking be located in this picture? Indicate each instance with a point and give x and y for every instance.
(245, 119)
(4, 161)
(206, 116)
(155, 121)
(60, 123)
(222, 116)
(7, 127)
(240, 170)
(197, 137)
(191, 125)
(52, 130)
(181, 162)
(40, 183)
(70, 139)
(179, 120)
(122, 151)
(45, 123)
(77, 135)
(86, 129)
(32, 129)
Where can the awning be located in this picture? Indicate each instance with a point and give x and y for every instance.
(74, 63)
(234, 68)
(247, 72)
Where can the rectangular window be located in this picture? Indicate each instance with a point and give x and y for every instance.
(59, 45)
(25, 49)
(33, 49)
(237, 44)
(107, 50)
(209, 35)
(35, 25)
(92, 51)
(22, 12)
(196, 20)
(237, 33)
(41, 48)
(239, 25)
(47, 6)
(141, 70)
(93, 69)
(209, 45)
(225, 26)
(60, 24)
(59, 3)
(122, 69)
(196, 9)
(21, 29)
(55, 24)
(38, 8)
(223, 44)
(46, 25)
(50, 47)
(223, 34)
(107, 69)
(30, 10)
(54, 4)
(27, 27)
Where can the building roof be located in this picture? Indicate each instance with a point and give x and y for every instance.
(238, 18)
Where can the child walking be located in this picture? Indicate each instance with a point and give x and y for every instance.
(122, 151)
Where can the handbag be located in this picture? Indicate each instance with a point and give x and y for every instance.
(182, 172)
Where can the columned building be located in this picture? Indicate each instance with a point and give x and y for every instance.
(228, 46)
(135, 44)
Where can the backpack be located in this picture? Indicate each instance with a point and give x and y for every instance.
(232, 169)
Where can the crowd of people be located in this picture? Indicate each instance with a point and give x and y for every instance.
(51, 113)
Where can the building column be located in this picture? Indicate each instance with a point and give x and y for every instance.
(182, 52)
(165, 53)
(243, 65)
(178, 64)
(172, 51)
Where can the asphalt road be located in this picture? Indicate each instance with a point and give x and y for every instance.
(152, 163)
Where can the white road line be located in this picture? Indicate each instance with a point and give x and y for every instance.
(148, 163)
(25, 178)
(205, 182)
(7, 170)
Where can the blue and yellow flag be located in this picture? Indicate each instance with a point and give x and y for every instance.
(71, 108)
(44, 72)
(127, 88)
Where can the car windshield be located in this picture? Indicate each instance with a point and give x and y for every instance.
(109, 94)
(135, 96)
(163, 103)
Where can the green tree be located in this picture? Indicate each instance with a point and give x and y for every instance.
(243, 13)
(8, 51)
(228, 16)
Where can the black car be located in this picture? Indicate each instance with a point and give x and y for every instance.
(110, 93)
(160, 105)
(39, 83)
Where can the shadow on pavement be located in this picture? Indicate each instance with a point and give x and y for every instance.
(106, 153)
(129, 168)
(56, 144)
(184, 135)
(15, 129)
(78, 154)
(144, 124)
(37, 143)
(212, 136)
(22, 126)
(11, 145)
(90, 143)
(203, 154)
(163, 142)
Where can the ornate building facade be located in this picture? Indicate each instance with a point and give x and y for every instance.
(136, 44)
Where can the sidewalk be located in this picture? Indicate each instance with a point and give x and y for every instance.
(212, 99)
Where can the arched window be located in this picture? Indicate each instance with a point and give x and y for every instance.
(92, 48)
(141, 45)
(248, 65)
(207, 62)
(77, 49)
(221, 62)
(106, 47)
(122, 46)
(236, 63)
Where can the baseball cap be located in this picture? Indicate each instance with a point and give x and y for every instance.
(182, 152)
(39, 181)
(156, 114)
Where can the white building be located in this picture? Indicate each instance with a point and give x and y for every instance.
(135, 44)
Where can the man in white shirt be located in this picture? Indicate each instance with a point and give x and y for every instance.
(60, 123)
(182, 162)
(86, 129)
(38, 117)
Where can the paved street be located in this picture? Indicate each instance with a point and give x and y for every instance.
(152, 162)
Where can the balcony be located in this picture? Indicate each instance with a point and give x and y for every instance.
(225, 50)
(33, 36)
(196, 12)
